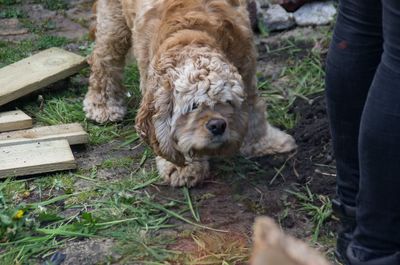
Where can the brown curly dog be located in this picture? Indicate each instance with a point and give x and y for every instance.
(197, 63)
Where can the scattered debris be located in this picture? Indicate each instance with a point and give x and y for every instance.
(318, 13)
(72, 132)
(56, 259)
(14, 120)
(37, 71)
(276, 18)
(35, 157)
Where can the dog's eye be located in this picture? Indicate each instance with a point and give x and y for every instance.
(194, 106)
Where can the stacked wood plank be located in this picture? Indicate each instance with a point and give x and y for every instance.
(38, 150)
(14, 120)
(25, 150)
(35, 157)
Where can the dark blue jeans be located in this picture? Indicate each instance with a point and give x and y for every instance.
(363, 98)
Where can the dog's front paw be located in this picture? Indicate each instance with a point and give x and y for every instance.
(279, 141)
(273, 142)
(100, 111)
(189, 175)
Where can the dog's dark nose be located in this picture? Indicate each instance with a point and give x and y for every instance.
(216, 126)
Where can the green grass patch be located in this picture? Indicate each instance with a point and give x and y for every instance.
(301, 79)
(11, 52)
(61, 110)
(317, 207)
(56, 213)
(11, 12)
(9, 2)
(117, 162)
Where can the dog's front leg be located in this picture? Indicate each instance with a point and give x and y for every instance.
(262, 138)
(189, 175)
(105, 99)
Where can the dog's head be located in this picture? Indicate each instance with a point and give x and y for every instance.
(196, 108)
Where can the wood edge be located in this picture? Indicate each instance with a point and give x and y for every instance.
(44, 82)
(16, 126)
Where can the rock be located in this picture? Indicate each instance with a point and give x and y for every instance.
(89, 252)
(276, 18)
(291, 5)
(318, 13)
(264, 3)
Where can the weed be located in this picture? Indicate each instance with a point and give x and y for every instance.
(318, 207)
(11, 12)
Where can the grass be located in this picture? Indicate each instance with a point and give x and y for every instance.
(299, 79)
(11, 12)
(120, 210)
(12, 52)
(317, 207)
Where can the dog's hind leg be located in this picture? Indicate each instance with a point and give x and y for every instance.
(262, 138)
(189, 175)
(106, 97)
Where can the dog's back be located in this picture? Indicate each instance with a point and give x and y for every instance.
(224, 24)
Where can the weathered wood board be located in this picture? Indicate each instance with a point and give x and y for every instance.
(35, 157)
(37, 71)
(73, 132)
(14, 120)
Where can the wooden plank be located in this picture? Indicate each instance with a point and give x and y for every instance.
(73, 132)
(14, 120)
(37, 71)
(36, 157)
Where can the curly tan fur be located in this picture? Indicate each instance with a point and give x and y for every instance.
(197, 63)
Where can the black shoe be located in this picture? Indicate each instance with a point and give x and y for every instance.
(362, 256)
(347, 216)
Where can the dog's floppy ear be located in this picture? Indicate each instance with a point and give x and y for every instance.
(144, 124)
(153, 122)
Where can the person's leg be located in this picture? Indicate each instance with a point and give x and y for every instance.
(378, 205)
(353, 57)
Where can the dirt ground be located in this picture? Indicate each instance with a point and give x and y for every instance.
(238, 190)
